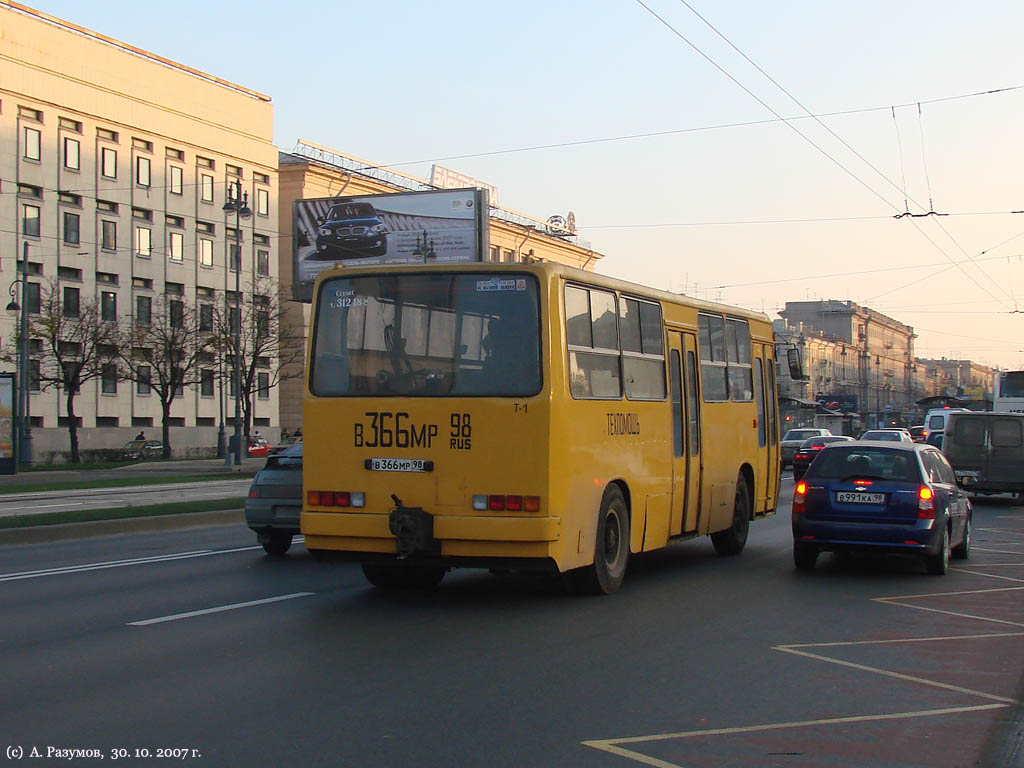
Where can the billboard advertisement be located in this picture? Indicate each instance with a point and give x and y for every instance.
(836, 405)
(437, 226)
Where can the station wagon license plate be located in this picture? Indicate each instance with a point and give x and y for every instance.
(856, 497)
(399, 465)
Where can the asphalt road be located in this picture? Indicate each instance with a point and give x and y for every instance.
(194, 640)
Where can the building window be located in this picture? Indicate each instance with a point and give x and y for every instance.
(34, 377)
(177, 313)
(206, 188)
(109, 242)
(206, 383)
(71, 303)
(206, 317)
(143, 310)
(263, 202)
(263, 386)
(33, 147)
(108, 306)
(72, 381)
(108, 379)
(263, 263)
(71, 228)
(108, 163)
(142, 171)
(32, 303)
(143, 242)
(234, 257)
(177, 181)
(30, 220)
(175, 247)
(142, 380)
(234, 318)
(72, 160)
(205, 252)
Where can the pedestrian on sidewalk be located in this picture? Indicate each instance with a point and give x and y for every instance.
(141, 435)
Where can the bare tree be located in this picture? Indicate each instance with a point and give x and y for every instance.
(162, 351)
(271, 350)
(78, 340)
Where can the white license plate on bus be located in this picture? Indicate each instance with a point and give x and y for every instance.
(399, 465)
(855, 497)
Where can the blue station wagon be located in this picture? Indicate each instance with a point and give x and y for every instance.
(883, 496)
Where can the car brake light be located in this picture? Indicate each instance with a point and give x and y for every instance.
(862, 482)
(925, 503)
(798, 498)
(254, 492)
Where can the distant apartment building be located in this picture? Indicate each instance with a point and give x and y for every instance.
(963, 379)
(857, 356)
(114, 172)
(313, 171)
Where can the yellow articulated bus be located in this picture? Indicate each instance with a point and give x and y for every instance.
(513, 416)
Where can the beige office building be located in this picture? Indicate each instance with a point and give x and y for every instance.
(114, 171)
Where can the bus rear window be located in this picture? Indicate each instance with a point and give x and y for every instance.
(437, 334)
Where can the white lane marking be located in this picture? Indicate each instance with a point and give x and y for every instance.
(896, 675)
(117, 564)
(996, 551)
(991, 575)
(1000, 531)
(897, 640)
(609, 745)
(950, 613)
(218, 609)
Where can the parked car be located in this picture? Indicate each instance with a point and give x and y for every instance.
(140, 450)
(794, 437)
(918, 433)
(884, 496)
(351, 230)
(896, 435)
(986, 451)
(275, 500)
(809, 449)
(258, 446)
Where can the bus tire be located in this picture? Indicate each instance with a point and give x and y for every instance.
(611, 549)
(732, 540)
(403, 576)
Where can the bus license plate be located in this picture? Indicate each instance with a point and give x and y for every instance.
(853, 497)
(398, 465)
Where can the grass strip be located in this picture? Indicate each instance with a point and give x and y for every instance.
(115, 482)
(119, 513)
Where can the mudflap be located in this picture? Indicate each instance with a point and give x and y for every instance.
(413, 528)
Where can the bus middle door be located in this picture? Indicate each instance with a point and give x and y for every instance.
(686, 459)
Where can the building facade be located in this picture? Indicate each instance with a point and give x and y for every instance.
(114, 172)
(859, 357)
(314, 171)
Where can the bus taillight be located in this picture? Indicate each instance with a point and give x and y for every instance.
(336, 498)
(499, 502)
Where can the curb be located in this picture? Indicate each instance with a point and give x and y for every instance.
(44, 534)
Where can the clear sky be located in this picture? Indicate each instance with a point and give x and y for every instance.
(727, 201)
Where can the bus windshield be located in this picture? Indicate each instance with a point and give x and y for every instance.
(436, 334)
(1011, 384)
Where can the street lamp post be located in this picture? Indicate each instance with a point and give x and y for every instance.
(238, 202)
(24, 423)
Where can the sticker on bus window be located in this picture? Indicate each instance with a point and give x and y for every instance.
(498, 284)
(345, 298)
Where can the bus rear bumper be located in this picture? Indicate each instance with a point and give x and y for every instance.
(459, 536)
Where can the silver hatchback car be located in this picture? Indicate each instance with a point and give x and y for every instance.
(275, 500)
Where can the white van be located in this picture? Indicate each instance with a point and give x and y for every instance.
(935, 420)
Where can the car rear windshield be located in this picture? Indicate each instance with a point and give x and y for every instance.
(880, 436)
(801, 434)
(427, 335)
(837, 463)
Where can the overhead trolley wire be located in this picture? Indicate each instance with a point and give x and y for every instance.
(816, 146)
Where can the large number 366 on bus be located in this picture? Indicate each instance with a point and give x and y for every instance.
(529, 417)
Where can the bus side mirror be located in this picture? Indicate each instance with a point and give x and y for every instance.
(796, 369)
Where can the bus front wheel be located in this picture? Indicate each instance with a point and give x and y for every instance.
(732, 540)
(611, 548)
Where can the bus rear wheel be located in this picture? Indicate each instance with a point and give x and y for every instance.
(611, 549)
(403, 576)
(732, 540)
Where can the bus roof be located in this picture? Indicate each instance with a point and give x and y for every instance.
(548, 269)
